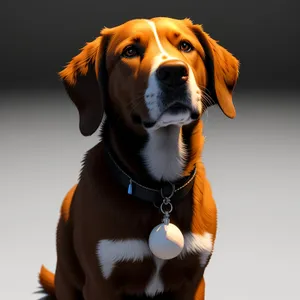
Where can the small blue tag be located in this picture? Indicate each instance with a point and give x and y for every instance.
(129, 191)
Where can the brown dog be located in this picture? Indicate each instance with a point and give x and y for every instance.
(153, 79)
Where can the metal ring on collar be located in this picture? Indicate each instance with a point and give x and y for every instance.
(172, 192)
(166, 211)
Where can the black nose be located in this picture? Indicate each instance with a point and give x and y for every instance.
(173, 73)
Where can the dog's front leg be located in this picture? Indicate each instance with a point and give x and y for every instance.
(192, 292)
(99, 291)
(200, 291)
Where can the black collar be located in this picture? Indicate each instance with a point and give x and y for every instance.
(154, 193)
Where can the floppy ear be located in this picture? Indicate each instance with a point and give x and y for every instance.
(223, 71)
(84, 78)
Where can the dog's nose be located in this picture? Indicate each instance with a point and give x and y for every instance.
(173, 73)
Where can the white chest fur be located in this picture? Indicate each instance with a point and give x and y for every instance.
(165, 153)
(110, 252)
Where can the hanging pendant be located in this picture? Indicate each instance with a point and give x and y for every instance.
(129, 190)
(166, 241)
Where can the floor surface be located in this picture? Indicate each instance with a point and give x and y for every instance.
(252, 162)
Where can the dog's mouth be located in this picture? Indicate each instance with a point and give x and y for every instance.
(178, 114)
(177, 108)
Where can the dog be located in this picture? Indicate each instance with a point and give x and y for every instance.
(146, 84)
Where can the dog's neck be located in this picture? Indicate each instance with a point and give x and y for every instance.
(167, 154)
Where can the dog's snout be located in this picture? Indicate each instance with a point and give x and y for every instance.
(173, 73)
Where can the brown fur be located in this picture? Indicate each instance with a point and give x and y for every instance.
(65, 208)
(97, 208)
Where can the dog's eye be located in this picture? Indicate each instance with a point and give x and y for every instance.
(185, 46)
(130, 51)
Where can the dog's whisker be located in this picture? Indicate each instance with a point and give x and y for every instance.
(206, 100)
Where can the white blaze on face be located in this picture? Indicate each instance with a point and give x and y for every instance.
(152, 94)
(165, 153)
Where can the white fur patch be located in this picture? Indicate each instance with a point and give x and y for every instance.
(165, 153)
(110, 252)
(155, 286)
(197, 243)
(160, 46)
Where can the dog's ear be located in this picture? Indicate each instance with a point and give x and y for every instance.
(223, 71)
(85, 79)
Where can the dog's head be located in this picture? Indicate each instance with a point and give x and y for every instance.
(151, 73)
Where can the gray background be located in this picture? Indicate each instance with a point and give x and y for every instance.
(39, 37)
(252, 162)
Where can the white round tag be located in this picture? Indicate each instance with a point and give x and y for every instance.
(166, 241)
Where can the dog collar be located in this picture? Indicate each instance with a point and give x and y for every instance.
(154, 194)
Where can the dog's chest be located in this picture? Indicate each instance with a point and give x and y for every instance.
(131, 267)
